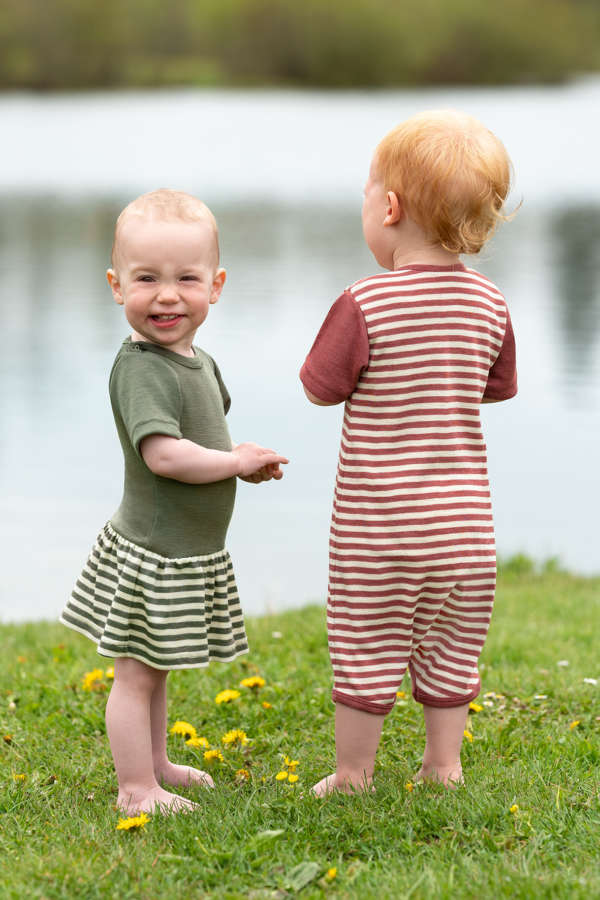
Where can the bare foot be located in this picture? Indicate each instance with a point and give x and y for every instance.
(450, 776)
(183, 776)
(156, 800)
(329, 785)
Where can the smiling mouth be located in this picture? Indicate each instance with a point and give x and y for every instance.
(166, 321)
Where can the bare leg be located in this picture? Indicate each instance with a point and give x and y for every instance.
(357, 735)
(165, 771)
(129, 734)
(444, 728)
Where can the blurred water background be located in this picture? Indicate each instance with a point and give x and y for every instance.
(283, 170)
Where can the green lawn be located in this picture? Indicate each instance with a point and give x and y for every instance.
(535, 746)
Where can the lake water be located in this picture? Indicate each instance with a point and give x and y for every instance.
(283, 172)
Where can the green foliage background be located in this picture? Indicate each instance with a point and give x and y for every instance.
(65, 44)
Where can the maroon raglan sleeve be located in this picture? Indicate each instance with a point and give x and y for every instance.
(339, 353)
(502, 377)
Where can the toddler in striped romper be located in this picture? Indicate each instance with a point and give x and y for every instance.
(413, 352)
(158, 590)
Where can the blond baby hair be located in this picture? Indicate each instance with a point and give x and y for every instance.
(166, 205)
(451, 173)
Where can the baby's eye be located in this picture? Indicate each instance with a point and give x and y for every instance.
(189, 278)
(146, 278)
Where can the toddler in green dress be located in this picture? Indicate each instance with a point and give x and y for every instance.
(158, 590)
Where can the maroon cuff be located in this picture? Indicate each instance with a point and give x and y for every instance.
(377, 709)
(320, 390)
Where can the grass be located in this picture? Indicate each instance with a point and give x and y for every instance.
(261, 838)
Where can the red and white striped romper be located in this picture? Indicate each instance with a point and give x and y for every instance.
(412, 554)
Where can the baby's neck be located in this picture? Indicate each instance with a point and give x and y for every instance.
(424, 255)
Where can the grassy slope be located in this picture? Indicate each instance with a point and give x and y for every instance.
(58, 837)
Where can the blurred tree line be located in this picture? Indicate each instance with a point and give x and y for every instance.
(54, 44)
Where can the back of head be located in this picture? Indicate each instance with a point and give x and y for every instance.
(168, 206)
(452, 175)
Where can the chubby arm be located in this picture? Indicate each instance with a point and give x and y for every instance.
(186, 461)
(318, 402)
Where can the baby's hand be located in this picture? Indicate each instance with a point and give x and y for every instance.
(272, 470)
(258, 463)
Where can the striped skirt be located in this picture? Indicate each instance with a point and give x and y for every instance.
(167, 613)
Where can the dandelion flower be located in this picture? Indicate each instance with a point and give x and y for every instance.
(8, 738)
(110, 673)
(574, 724)
(291, 763)
(475, 707)
(19, 777)
(266, 705)
(242, 775)
(401, 694)
(197, 742)
(213, 756)
(236, 736)
(468, 736)
(227, 696)
(21, 659)
(183, 728)
(409, 786)
(254, 681)
(331, 873)
(292, 778)
(514, 809)
(133, 822)
(92, 681)
(281, 776)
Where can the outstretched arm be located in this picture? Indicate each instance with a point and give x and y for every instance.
(186, 461)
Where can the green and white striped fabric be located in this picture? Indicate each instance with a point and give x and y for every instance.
(167, 613)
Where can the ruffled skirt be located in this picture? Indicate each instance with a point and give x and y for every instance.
(167, 613)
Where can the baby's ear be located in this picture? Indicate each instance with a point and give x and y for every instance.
(394, 208)
(217, 285)
(115, 286)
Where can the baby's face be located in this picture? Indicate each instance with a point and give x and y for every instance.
(166, 279)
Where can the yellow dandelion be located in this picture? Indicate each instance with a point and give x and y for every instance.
(19, 777)
(183, 728)
(266, 705)
(292, 778)
(401, 695)
(92, 681)
(7, 738)
(242, 775)
(236, 736)
(213, 756)
(110, 673)
(133, 822)
(331, 873)
(468, 736)
(227, 696)
(409, 786)
(475, 707)
(281, 776)
(292, 764)
(253, 681)
(514, 808)
(574, 724)
(197, 742)
(21, 659)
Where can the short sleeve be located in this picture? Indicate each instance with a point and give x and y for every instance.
(339, 354)
(502, 377)
(222, 388)
(144, 392)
